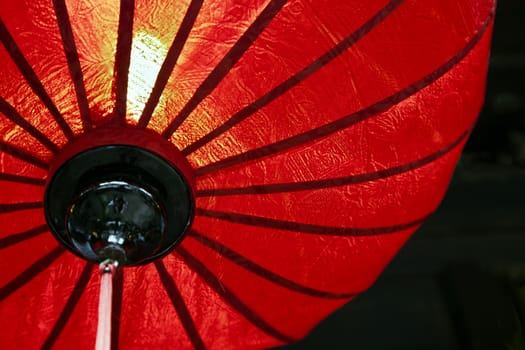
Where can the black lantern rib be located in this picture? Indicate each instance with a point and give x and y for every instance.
(23, 155)
(22, 179)
(68, 309)
(22, 236)
(260, 271)
(305, 228)
(123, 59)
(12, 114)
(297, 78)
(229, 296)
(73, 62)
(31, 272)
(224, 66)
(12, 207)
(170, 61)
(349, 120)
(180, 306)
(32, 79)
(338, 181)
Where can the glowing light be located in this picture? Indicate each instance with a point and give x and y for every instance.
(147, 55)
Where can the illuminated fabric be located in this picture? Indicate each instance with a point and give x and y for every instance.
(322, 134)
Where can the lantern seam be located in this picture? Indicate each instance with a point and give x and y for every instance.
(170, 61)
(298, 77)
(372, 110)
(67, 310)
(34, 82)
(230, 297)
(263, 272)
(305, 228)
(73, 62)
(180, 306)
(223, 67)
(32, 271)
(287, 187)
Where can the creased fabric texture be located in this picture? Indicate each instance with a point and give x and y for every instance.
(322, 134)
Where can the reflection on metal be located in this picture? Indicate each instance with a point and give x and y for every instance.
(116, 219)
(121, 203)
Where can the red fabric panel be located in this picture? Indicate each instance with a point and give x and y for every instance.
(22, 220)
(296, 32)
(29, 251)
(17, 192)
(141, 297)
(17, 137)
(271, 230)
(34, 28)
(154, 28)
(219, 324)
(390, 201)
(334, 264)
(354, 82)
(15, 166)
(272, 303)
(23, 327)
(217, 27)
(79, 330)
(96, 50)
(22, 98)
(420, 125)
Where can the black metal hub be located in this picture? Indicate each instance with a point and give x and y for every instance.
(118, 202)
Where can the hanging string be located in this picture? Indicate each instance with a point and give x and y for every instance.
(107, 271)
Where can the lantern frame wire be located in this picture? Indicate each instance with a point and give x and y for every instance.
(73, 62)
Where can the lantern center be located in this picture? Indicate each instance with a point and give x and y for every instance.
(116, 220)
(123, 202)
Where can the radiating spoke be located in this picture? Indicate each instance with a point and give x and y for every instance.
(22, 236)
(300, 227)
(31, 77)
(347, 121)
(224, 66)
(169, 63)
(180, 306)
(260, 271)
(68, 309)
(22, 179)
(123, 58)
(229, 297)
(12, 114)
(31, 272)
(23, 155)
(297, 78)
(73, 61)
(338, 181)
(12, 207)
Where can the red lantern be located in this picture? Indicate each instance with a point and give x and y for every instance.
(310, 140)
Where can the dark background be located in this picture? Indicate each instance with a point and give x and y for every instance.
(459, 283)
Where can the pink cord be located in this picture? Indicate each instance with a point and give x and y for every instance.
(107, 270)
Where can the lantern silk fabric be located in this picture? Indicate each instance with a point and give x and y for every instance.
(321, 133)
